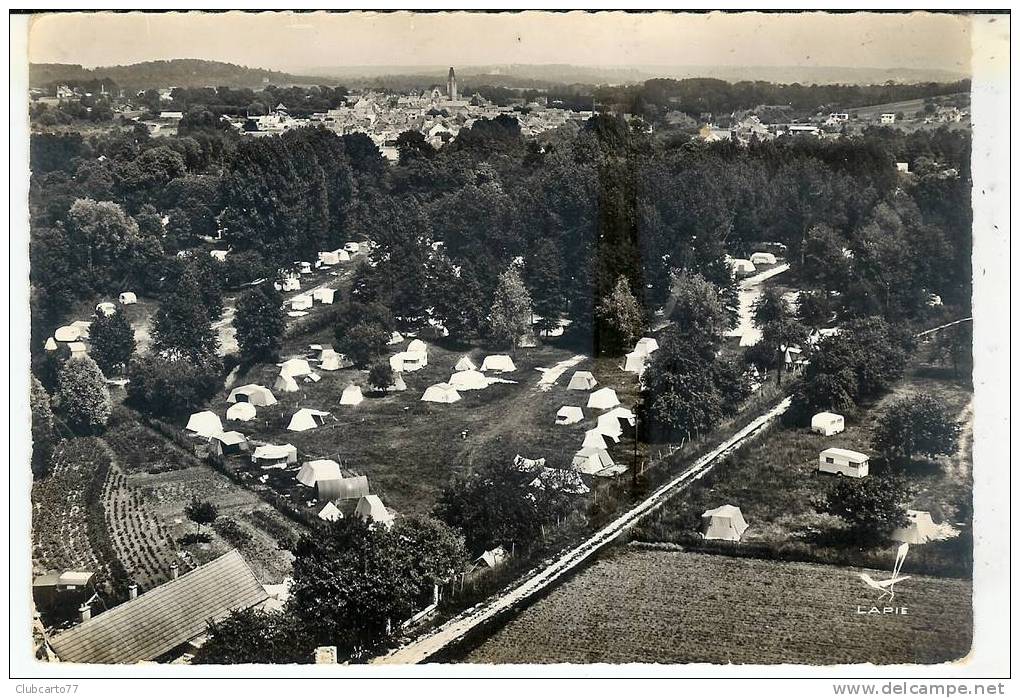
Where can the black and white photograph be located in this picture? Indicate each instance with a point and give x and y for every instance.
(510, 343)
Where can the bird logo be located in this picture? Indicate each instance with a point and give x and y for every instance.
(886, 586)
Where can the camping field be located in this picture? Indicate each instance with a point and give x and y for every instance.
(410, 449)
(660, 606)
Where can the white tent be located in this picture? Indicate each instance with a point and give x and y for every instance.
(569, 414)
(83, 328)
(920, 528)
(351, 395)
(128, 298)
(205, 424)
(827, 423)
(78, 349)
(591, 460)
(332, 361)
(229, 442)
(333, 257)
(742, 267)
(291, 283)
(501, 363)
(582, 380)
(106, 308)
(351, 247)
(241, 412)
(723, 523)
(594, 439)
(646, 345)
(285, 383)
(469, 380)
(314, 470)
(295, 368)
(635, 362)
(398, 384)
(603, 399)
(441, 392)
(51, 344)
(274, 456)
(324, 295)
(258, 395)
(395, 338)
(465, 364)
(307, 418)
(306, 267)
(330, 512)
(609, 424)
(418, 345)
(67, 333)
(371, 508)
(763, 258)
(302, 302)
(407, 362)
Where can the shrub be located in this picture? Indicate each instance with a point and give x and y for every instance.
(167, 387)
(83, 395)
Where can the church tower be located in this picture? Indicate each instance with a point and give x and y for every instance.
(451, 85)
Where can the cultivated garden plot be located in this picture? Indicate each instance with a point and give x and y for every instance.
(675, 607)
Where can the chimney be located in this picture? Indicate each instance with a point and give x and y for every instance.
(175, 570)
(85, 611)
(325, 654)
(132, 591)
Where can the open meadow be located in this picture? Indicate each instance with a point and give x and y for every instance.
(657, 606)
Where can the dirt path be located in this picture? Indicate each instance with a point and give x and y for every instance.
(428, 645)
(551, 375)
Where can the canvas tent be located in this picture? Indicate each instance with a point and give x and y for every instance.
(723, 523)
(441, 392)
(302, 302)
(334, 257)
(332, 361)
(206, 424)
(351, 395)
(351, 247)
(763, 258)
(229, 443)
(324, 295)
(307, 418)
(635, 362)
(257, 395)
(398, 384)
(396, 338)
(106, 308)
(646, 345)
(67, 333)
(603, 399)
(501, 363)
(341, 488)
(241, 412)
(371, 508)
(742, 267)
(920, 528)
(128, 298)
(83, 328)
(285, 383)
(594, 439)
(418, 345)
(315, 470)
(291, 283)
(465, 363)
(591, 460)
(295, 368)
(569, 414)
(469, 380)
(330, 512)
(274, 456)
(611, 423)
(51, 344)
(582, 380)
(407, 362)
(827, 423)
(489, 560)
(78, 349)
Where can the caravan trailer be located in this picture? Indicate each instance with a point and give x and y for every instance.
(841, 461)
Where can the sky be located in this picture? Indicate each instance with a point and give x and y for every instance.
(292, 41)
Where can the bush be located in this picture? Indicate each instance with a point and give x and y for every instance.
(916, 424)
(873, 507)
(170, 387)
(83, 395)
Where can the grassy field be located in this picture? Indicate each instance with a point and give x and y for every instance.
(774, 480)
(411, 449)
(655, 606)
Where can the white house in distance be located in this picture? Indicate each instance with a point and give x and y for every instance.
(827, 423)
(842, 461)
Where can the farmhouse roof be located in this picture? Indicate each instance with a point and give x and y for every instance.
(165, 617)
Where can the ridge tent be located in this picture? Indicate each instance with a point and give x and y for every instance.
(307, 418)
(285, 383)
(342, 488)
(395, 338)
(603, 399)
(257, 395)
(569, 414)
(723, 523)
(591, 460)
(78, 349)
(51, 344)
(295, 368)
(407, 362)
(594, 439)
(106, 308)
(274, 456)
(370, 508)
(742, 267)
(332, 361)
(128, 298)
(302, 302)
(241, 412)
(315, 470)
(646, 345)
(229, 443)
(205, 424)
(501, 363)
(469, 380)
(827, 423)
(352, 395)
(441, 392)
(582, 380)
(324, 295)
(352, 247)
(67, 333)
(763, 258)
(465, 364)
(330, 512)
(418, 345)
(635, 362)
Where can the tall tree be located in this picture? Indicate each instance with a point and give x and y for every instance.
(698, 311)
(43, 431)
(259, 322)
(510, 318)
(546, 284)
(918, 424)
(100, 234)
(83, 395)
(181, 327)
(113, 341)
(621, 319)
(873, 506)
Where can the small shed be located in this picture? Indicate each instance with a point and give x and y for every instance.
(500, 363)
(569, 414)
(723, 523)
(582, 380)
(827, 423)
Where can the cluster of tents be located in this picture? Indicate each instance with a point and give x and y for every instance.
(593, 457)
(342, 494)
(467, 376)
(635, 361)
